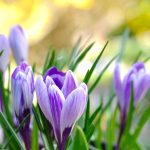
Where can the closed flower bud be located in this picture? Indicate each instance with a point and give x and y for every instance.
(141, 83)
(22, 85)
(5, 51)
(18, 43)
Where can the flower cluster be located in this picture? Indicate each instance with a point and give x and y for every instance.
(59, 96)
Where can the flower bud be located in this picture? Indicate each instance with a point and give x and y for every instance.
(5, 51)
(18, 43)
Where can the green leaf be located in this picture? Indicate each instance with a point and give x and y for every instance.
(90, 131)
(100, 75)
(47, 137)
(137, 57)
(89, 72)
(123, 44)
(80, 57)
(75, 48)
(87, 114)
(144, 118)
(34, 145)
(96, 112)
(37, 118)
(5, 98)
(18, 129)
(4, 121)
(79, 141)
(46, 60)
(146, 59)
(51, 60)
(1, 52)
(126, 136)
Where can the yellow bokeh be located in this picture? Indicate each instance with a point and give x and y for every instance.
(83, 4)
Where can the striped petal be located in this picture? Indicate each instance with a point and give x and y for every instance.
(118, 86)
(73, 108)
(56, 100)
(70, 83)
(43, 99)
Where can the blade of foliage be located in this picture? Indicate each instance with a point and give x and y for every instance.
(147, 59)
(143, 119)
(126, 135)
(35, 144)
(96, 112)
(111, 128)
(8, 126)
(123, 44)
(17, 130)
(87, 114)
(90, 131)
(100, 75)
(89, 72)
(1, 53)
(80, 57)
(46, 130)
(137, 57)
(75, 48)
(5, 99)
(37, 118)
(46, 60)
(49, 60)
(79, 141)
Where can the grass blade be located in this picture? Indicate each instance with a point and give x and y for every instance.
(89, 72)
(80, 57)
(101, 74)
(8, 126)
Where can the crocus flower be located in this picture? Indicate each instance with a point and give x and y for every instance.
(18, 43)
(140, 79)
(61, 100)
(141, 83)
(5, 49)
(22, 85)
(4, 59)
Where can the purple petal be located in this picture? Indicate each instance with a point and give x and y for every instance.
(18, 43)
(17, 95)
(49, 81)
(73, 108)
(43, 99)
(118, 86)
(57, 76)
(56, 100)
(4, 58)
(138, 66)
(70, 83)
(142, 87)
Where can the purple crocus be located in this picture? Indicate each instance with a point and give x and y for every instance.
(22, 85)
(18, 43)
(140, 79)
(141, 83)
(62, 101)
(4, 60)
(5, 49)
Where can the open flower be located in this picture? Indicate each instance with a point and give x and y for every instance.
(61, 100)
(22, 85)
(18, 43)
(141, 83)
(5, 50)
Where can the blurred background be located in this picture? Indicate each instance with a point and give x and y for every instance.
(59, 23)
